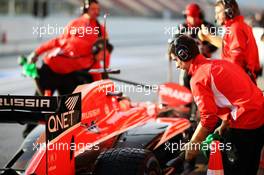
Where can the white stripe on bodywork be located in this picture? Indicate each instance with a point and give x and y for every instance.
(221, 101)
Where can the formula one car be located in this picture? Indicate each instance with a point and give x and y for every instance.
(97, 130)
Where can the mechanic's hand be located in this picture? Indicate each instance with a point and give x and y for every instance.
(203, 33)
(219, 131)
(32, 58)
(222, 128)
(262, 37)
(191, 150)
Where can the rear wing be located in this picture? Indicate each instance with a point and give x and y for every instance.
(34, 109)
(27, 109)
(55, 112)
(59, 114)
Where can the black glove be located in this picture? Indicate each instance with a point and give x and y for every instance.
(99, 46)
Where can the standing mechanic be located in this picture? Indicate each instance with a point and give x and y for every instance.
(79, 48)
(238, 43)
(194, 18)
(220, 87)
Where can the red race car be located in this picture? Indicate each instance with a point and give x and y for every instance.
(96, 130)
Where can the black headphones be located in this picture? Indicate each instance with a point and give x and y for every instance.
(228, 8)
(181, 50)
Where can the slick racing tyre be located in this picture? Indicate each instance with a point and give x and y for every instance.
(129, 161)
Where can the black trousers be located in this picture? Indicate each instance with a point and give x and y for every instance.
(246, 151)
(63, 83)
(186, 80)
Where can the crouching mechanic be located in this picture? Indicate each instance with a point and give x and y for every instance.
(79, 48)
(223, 90)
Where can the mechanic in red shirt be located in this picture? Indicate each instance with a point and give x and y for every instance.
(73, 51)
(238, 43)
(220, 87)
(79, 48)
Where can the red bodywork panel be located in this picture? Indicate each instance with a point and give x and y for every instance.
(103, 118)
(174, 95)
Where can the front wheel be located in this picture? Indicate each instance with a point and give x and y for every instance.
(129, 161)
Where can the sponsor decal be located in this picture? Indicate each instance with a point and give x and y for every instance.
(67, 116)
(173, 94)
(71, 102)
(28, 103)
(60, 121)
(25, 102)
(92, 113)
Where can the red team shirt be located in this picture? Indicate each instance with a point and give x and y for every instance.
(239, 45)
(220, 89)
(72, 51)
